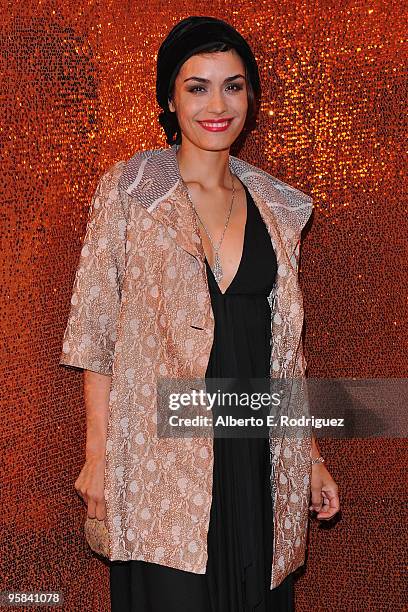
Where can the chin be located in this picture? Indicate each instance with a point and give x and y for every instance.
(216, 142)
(217, 147)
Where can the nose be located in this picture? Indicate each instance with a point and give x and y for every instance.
(217, 103)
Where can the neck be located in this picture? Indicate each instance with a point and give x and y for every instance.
(210, 169)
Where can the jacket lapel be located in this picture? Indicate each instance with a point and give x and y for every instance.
(153, 179)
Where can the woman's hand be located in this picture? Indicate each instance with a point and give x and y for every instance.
(325, 498)
(90, 486)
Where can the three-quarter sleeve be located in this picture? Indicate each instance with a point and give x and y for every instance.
(90, 334)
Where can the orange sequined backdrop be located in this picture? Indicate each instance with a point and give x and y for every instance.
(77, 95)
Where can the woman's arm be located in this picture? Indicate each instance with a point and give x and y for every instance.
(96, 396)
(90, 482)
(315, 449)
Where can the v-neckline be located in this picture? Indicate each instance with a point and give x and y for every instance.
(242, 253)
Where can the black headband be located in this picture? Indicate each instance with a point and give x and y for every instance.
(193, 35)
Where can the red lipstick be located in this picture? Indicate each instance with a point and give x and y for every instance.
(216, 125)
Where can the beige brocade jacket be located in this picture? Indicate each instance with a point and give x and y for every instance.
(140, 309)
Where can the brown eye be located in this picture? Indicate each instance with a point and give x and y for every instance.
(194, 89)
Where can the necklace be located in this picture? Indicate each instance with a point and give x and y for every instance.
(216, 268)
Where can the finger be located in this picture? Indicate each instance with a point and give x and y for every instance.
(316, 499)
(91, 509)
(335, 503)
(326, 504)
(328, 513)
(100, 512)
(330, 492)
(82, 495)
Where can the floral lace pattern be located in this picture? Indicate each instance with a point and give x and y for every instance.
(140, 310)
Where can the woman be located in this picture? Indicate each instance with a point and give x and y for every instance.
(189, 269)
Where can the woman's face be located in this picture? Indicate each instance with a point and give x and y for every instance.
(210, 99)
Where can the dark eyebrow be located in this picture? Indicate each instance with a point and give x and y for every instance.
(227, 80)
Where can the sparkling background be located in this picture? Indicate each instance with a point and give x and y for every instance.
(77, 85)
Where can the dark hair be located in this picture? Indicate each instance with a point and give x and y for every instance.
(169, 121)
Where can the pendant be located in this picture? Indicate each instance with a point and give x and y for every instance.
(217, 269)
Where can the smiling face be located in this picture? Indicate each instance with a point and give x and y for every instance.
(210, 99)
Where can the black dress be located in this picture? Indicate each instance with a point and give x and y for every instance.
(240, 535)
